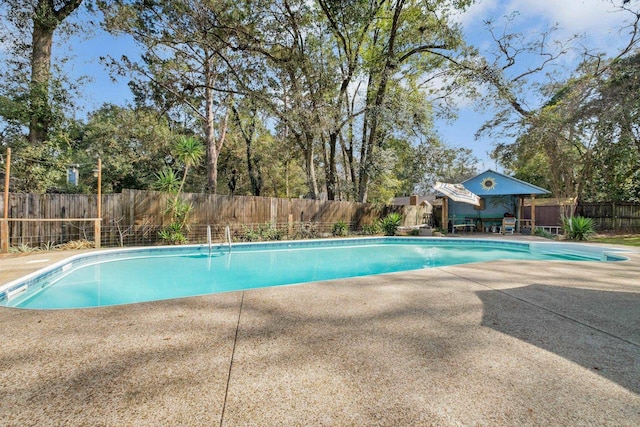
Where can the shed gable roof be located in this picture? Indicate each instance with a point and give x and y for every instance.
(492, 183)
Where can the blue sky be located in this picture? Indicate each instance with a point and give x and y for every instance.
(596, 20)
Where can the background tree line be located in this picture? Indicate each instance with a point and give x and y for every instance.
(311, 98)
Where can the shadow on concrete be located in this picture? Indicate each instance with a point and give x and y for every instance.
(599, 330)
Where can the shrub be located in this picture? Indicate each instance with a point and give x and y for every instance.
(306, 230)
(340, 229)
(270, 232)
(543, 233)
(173, 234)
(250, 235)
(263, 232)
(371, 229)
(390, 223)
(23, 248)
(578, 227)
(76, 244)
(49, 246)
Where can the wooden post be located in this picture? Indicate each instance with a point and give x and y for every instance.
(4, 227)
(519, 213)
(445, 213)
(96, 228)
(533, 214)
(4, 236)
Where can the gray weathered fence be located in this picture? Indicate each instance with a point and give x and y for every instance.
(134, 217)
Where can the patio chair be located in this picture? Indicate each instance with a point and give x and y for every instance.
(508, 225)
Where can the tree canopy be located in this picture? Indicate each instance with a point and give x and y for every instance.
(319, 99)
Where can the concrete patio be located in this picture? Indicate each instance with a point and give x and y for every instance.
(495, 344)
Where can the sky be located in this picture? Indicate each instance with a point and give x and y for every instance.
(598, 21)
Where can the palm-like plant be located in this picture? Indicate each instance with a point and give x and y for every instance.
(390, 223)
(167, 181)
(578, 227)
(190, 152)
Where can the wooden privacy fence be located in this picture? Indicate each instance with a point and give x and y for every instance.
(140, 214)
(615, 216)
(150, 207)
(48, 218)
(610, 216)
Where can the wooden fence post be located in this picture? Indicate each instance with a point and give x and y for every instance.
(4, 236)
(4, 228)
(97, 235)
(96, 232)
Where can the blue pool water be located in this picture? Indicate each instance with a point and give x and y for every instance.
(130, 276)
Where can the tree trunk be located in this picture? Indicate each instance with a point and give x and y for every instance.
(214, 146)
(361, 186)
(46, 20)
(331, 171)
(311, 174)
(40, 110)
(253, 164)
(253, 169)
(309, 166)
(374, 134)
(212, 170)
(349, 168)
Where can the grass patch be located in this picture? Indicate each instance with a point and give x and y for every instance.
(628, 240)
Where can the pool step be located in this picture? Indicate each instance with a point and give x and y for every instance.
(17, 292)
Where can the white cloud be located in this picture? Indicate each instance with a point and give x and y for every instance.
(572, 15)
(601, 22)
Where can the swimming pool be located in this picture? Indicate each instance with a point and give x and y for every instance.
(115, 277)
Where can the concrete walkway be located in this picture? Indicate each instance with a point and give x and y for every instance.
(491, 344)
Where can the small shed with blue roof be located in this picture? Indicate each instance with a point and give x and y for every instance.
(500, 196)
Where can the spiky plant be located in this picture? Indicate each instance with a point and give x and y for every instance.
(578, 227)
(390, 223)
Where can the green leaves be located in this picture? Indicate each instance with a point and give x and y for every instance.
(167, 181)
(189, 151)
(390, 223)
(578, 227)
(340, 229)
(132, 143)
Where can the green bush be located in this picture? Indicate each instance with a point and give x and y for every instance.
(306, 230)
(250, 235)
(173, 234)
(263, 232)
(370, 229)
(578, 227)
(23, 248)
(340, 229)
(543, 233)
(390, 223)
